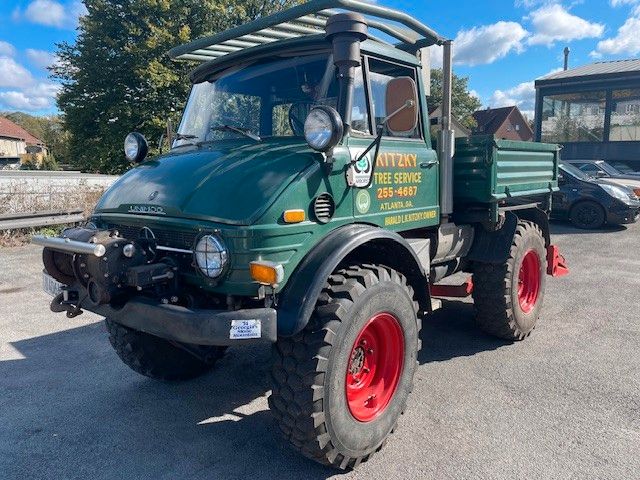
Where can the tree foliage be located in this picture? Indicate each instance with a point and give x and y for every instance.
(463, 102)
(117, 76)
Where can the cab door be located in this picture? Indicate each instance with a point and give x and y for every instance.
(404, 192)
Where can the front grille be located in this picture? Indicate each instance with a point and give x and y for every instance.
(165, 238)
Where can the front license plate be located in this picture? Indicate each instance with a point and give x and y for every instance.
(50, 285)
(245, 329)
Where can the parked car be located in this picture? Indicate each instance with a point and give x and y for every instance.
(624, 168)
(601, 169)
(590, 203)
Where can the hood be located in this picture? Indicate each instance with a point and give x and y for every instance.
(631, 183)
(231, 182)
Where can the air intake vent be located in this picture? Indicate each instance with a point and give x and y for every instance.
(324, 207)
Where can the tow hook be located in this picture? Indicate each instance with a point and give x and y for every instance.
(60, 304)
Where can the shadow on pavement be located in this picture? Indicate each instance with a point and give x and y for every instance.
(71, 409)
(565, 228)
(451, 332)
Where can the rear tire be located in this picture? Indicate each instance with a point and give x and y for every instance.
(340, 385)
(587, 215)
(508, 297)
(157, 358)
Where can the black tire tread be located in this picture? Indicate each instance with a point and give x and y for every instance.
(298, 392)
(492, 291)
(155, 357)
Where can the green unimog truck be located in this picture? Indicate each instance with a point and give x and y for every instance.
(303, 203)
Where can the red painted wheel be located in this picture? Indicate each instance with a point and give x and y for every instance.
(529, 281)
(375, 367)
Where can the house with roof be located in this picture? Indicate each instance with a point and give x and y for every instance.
(593, 111)
(435, 116)
(16, 144)
(507, 123)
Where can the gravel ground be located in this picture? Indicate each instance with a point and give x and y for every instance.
(563, 404)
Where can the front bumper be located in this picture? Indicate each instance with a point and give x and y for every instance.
(194, 326)
(623, 214)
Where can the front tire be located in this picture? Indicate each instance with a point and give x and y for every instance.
(340, 385)
(157, 358)
(508, 297)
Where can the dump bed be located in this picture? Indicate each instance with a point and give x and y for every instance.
(489, 170)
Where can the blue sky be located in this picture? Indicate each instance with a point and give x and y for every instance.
(502, 45)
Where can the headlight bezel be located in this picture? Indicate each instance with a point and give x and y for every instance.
(139, 142)
(333, 128)
(223, 251)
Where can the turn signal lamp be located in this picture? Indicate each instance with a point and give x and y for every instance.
(267, 273)
(294, 216)
(637, 192)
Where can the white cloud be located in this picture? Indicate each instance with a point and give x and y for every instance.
(52, 13)
(38, 97)
(41, 58)
(626, 41)
(14, 74)
(6, 49)
(522, 95)
(486, 44)
(483, 45)
(553, 23)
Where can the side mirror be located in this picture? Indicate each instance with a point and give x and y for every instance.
(561, 179)
(600, 174)
(402, 105)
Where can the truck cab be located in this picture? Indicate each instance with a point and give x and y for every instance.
(304, 204)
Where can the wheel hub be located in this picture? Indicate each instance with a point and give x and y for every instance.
(529, 280)
(375, 367)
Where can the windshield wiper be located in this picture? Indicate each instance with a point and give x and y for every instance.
(241, 131)
(185, 136)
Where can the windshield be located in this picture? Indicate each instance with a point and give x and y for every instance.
(575, 172)
(610, 169)
(267, 98)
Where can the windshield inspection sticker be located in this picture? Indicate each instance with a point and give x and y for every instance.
(359, 173)
(245, 329)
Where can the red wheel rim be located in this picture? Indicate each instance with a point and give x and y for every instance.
(375, 366)
(529, 281)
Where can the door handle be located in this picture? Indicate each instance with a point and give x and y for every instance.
(428, 164)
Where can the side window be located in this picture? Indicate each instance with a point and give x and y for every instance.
(380, 74)
(359, 112)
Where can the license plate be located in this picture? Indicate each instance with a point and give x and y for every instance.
(245, 329)
(50, 285)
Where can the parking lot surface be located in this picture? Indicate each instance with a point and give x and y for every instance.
(564, 404)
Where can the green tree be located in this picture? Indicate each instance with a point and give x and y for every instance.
(463, 103)
(117, 76)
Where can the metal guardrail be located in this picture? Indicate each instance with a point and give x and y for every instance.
(14, 221)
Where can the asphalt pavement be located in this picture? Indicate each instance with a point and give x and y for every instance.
(564, 404)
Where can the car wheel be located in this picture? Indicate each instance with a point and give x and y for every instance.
(587, 215)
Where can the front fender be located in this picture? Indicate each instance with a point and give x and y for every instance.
(298, 299)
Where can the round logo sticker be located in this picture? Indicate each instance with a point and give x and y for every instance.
(363, 201)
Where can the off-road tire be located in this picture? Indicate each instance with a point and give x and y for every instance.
(496, 301)
(587, 215)
(309, 370)
(157, 358)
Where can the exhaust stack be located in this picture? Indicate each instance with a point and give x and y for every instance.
(446, 140)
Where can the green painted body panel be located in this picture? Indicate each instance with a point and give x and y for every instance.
(487, 170)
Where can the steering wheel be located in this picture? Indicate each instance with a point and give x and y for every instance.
(297, 115)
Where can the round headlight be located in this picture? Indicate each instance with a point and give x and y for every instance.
(323, 128)
(135, 147)
(211, 256)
